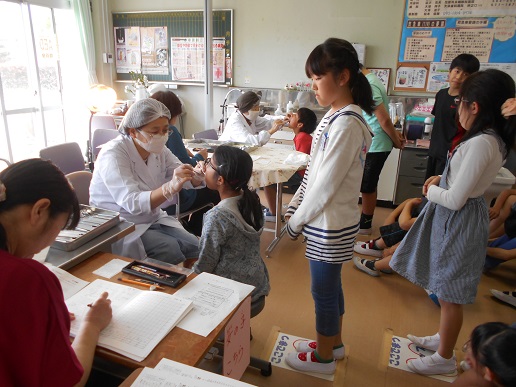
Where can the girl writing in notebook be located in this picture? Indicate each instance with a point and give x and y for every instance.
(36, 203)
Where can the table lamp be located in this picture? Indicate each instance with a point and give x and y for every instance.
(100, 98)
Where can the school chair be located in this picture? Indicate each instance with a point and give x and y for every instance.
(6, 162)
(80, 181)
(181, 215)
(99, 138)
(67, 157)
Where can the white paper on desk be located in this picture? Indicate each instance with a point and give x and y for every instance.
(297, 158)
(283, 135)
(42, 255)
(214, 298)
(173, 370)
(69, 283)
(254, 158)
(111, 268)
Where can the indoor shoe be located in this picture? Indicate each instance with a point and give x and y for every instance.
(361, 264)
(267, 215)
(433, 365)
(508, 297)
(428, 342)
(385, 271)
(367, 248)
(310, 346)
(308, 362)
(365, 231)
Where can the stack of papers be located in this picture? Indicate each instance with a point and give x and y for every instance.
(141, 319)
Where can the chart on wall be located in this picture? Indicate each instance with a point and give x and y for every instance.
(436, 31)
(169, 45)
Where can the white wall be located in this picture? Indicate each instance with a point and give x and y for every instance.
(271, 40)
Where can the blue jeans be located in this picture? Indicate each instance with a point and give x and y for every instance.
(169, 244)
(328, 296)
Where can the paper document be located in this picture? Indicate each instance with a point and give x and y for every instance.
(170, 373)
(214, 298)
(141, 318)
(69, 283)
(111, 268)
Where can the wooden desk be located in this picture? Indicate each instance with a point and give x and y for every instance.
(179, 345)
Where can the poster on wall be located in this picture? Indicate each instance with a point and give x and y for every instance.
(383, 75)
(154, 46)
(187, 59)
(127, 49)
(435, 32)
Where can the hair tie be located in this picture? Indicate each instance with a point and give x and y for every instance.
(3, 196)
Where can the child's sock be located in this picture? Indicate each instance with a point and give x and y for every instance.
(370, 264)
(366, 221)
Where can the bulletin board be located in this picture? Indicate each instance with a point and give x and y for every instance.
(435, 31)
(177, 26)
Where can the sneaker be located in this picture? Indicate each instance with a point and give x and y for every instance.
(433, 365)
(308, 362)
(428, 342)
(508, 297)
(365, 231)
(267, 215)
(433, 297)
(367, 248)
(310, 346)
(361, 264)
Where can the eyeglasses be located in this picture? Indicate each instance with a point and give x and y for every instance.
(466, 346)
(458, 100)
(167, 133)
(208, 162)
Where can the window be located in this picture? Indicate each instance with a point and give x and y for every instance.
(42, 73)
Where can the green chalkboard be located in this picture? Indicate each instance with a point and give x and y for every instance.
(181, 24)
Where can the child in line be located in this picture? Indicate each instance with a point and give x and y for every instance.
(444, 251)
(392, 233)
(303, 123)
(446, 132)
(489, 357)
(385, 138)
(324, 208)
(230, 240)
(36, 203)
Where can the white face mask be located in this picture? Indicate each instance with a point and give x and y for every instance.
(155, 144)
(252, 115)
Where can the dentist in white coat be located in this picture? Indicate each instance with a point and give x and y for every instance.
(135, 174)
(245, 125)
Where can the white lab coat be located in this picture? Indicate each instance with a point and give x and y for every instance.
(237, 129)
(123, 182)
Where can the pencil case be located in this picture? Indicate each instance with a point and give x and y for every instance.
(154, 273)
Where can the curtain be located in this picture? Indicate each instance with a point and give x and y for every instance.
(82, 12)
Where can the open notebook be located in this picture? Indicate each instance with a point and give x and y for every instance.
(141, 318)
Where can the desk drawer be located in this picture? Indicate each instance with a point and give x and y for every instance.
(413, 163)
(408, 187)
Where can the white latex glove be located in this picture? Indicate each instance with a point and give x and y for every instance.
(198, 176)
(182, 174)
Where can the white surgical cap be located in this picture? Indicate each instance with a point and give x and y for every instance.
(141, 113)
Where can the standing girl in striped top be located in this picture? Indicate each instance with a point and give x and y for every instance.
(445, 249)
(324, 208)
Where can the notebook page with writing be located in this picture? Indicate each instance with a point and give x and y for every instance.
(141, 318)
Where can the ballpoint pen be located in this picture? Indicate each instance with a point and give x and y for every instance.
(150, 286)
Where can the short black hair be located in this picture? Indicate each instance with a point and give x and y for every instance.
(467, 62)
(308, 118)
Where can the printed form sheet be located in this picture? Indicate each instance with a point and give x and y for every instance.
(214, 298)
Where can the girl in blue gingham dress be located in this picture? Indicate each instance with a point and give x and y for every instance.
(445, 249)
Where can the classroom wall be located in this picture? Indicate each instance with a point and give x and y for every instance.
(271, 40)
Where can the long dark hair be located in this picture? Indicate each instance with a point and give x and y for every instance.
(335, 55)
(170, 100)
(497, 354)
(28, 181)
(482, 333)
(490, 89)
(236, 167)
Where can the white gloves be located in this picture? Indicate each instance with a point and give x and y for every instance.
(182, 174)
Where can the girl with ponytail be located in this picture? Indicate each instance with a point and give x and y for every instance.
(230, 240)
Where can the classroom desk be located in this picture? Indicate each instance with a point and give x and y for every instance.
(179, 345)
(269, 168)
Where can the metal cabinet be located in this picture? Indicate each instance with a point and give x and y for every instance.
(411, 174)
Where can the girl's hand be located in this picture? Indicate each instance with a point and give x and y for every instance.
(100, 313)
(434, 180)
(509, 108)
(493, 213)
